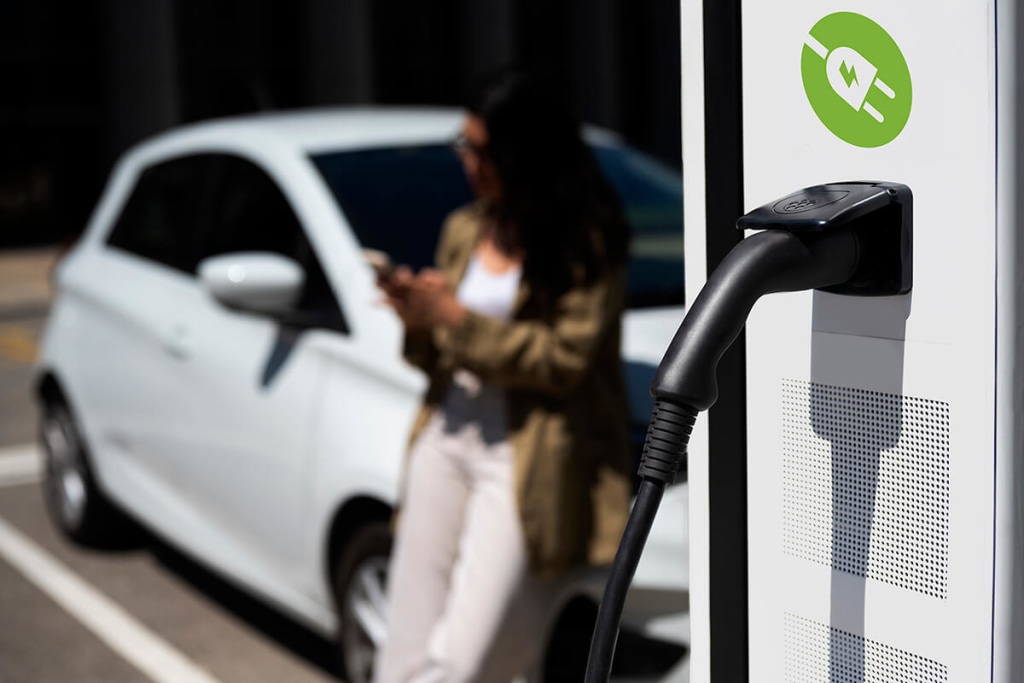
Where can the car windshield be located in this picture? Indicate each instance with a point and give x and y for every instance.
(396, 198)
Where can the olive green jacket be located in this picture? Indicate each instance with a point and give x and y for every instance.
(566, 400)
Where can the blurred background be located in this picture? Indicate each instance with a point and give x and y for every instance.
(85, 80)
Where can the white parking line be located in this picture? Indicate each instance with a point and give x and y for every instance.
(20, 465)
(108, 621)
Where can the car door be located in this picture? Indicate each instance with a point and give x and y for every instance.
(127, 291)
(241, 445)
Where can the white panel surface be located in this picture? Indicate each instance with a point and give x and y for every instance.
(935, 347)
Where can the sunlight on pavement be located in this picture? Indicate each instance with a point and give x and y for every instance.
(17, 344)
(20, 465)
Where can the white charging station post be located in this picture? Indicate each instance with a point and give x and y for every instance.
(857, 492)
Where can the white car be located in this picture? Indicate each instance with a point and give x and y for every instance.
(218, 364)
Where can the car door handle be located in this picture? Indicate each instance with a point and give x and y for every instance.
(177, 343)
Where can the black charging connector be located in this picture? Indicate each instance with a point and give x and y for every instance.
(881, 214)
(852, 238)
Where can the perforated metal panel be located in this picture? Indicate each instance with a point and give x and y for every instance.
(866, 483)
(817, 653)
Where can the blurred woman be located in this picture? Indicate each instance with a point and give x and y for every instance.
(519, 464)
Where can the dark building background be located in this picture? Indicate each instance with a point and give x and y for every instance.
(81, 81)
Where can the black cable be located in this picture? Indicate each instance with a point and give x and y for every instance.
(664, 450)
(606, 632)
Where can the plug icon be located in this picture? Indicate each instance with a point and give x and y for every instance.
(851, 76)
(842, 81)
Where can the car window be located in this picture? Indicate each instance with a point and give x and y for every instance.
(247, 211)
(396, 199)
(162, 215)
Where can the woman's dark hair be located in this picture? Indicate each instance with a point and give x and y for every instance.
(556, 204)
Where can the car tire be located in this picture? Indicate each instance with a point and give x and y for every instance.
(360, 579)
(75, 503)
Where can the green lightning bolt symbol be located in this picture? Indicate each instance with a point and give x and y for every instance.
(849, 73)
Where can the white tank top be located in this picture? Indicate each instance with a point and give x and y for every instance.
(487, 293)
(469, 400)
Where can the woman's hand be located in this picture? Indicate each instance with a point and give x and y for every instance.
(423, 301)
(431, 301)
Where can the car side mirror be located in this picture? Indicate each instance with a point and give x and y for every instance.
(257, 282)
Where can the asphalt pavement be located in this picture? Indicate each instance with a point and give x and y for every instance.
(25, 293)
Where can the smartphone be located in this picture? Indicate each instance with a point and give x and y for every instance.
(381, 263)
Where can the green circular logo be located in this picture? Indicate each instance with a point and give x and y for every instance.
(856, 79)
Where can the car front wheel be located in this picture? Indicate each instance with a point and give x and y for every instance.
(360, 579)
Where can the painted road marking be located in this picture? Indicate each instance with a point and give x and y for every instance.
(17, 344)
(20, 465)
(107, 620)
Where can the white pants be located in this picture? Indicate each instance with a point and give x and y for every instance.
(461, 604)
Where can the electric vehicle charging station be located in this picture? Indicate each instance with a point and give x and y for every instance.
(866, 523)
(856, 506)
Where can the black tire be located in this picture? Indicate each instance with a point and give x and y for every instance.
(75, 503)
(567, 651)
(360, 579)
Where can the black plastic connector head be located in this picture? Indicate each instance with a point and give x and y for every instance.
(882, 215)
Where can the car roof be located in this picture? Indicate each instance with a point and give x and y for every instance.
(330, 129)
(313, 130)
